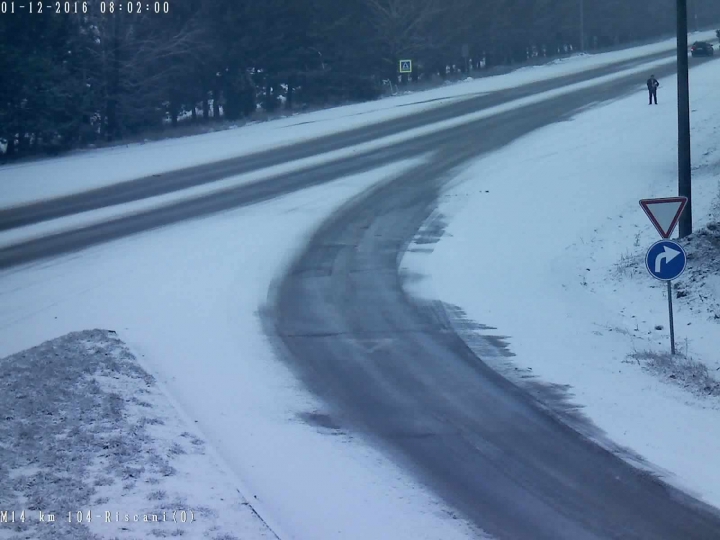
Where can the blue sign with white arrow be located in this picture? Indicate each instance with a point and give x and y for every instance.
(666, 260)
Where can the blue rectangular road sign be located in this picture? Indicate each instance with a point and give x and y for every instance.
(405, 66)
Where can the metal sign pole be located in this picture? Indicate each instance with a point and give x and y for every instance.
(666, 260)
(672, 323)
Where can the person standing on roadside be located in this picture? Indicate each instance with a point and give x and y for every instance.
(652, 84)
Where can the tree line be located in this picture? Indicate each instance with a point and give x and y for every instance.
(101, 73)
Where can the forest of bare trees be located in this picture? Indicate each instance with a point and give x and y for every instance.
(89, 76)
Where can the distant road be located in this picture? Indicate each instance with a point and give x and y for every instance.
(153, 185)
(282, 184)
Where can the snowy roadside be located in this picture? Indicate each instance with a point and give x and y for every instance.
(91, 448)
(185, 299)
(86, 170)
(544, 242)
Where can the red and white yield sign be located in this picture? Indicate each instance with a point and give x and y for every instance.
(664, 213)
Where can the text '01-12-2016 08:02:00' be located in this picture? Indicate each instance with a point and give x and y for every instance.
(82, 8)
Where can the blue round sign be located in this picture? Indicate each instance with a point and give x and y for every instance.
(666, 260)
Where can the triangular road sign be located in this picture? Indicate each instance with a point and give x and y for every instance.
(664, 213)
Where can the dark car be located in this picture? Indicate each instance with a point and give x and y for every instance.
(702, 48)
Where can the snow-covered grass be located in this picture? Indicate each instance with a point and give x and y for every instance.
(185, 301)
(545, 243)
(91, 448)
(90, 169)
(688, 373)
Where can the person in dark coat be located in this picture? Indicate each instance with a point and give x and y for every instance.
(652, 84)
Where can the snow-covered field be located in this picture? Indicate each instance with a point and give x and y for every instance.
(91, 169)
(545, 242)
(185, 300)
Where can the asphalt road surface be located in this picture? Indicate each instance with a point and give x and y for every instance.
(396, 371)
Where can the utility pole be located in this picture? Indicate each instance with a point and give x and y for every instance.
(684, 162)
(582, 25)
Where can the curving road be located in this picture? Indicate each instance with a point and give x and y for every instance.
(396, 371)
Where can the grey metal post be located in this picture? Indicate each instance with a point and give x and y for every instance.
(582, 25)
(672, 323)
(684, 162)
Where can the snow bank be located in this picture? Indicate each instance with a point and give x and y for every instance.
(91, 448)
